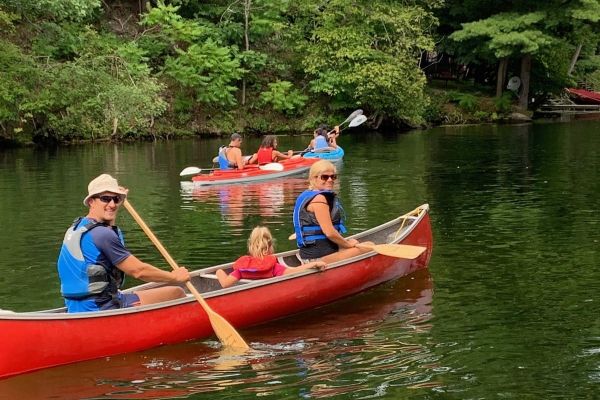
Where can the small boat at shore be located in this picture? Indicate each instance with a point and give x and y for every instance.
(327, 153)
(37, 340)
(584, 96)
(255, 173)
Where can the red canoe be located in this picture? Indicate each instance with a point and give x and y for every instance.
(36, 340)
(585, 96)
(254, 173)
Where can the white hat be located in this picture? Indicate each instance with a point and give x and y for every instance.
(104, 183)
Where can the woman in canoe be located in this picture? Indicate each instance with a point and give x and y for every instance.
(260, 263)
(268, 153)
(319, 219)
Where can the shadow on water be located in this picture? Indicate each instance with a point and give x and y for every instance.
(359, 345)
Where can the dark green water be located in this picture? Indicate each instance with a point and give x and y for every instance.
(509, 308)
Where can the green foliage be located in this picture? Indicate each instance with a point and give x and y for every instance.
(209, 70)
(466, 101)
(89, 96)
(481, 115)
(20, 79)
(55, 10)
(7, 20)
(367, 53)
(507, 34)
(503, 103)
(171, 27)
(594, 80)
(283, 97)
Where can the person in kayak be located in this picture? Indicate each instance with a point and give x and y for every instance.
(93, 259)
(268, 153)
(260, 263)
(231, 156)
(319, 219)
(323, 139)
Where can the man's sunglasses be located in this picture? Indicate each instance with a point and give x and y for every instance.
(108, 199)
(325, 177)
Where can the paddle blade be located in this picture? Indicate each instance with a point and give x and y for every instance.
(226, 333)
(190, 171)
(352, 116)
(357, 121)
(271, 167)
(399, 250)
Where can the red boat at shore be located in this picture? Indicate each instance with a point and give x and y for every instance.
(36, 340)
(256, 173)
(584, 96)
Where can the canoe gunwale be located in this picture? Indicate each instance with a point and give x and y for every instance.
(59, 313)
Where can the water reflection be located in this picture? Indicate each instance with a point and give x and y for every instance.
(264, 199)
(361, 346)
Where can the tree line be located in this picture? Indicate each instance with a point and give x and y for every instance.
(91, 69)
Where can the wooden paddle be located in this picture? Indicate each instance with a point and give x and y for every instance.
(407, 251)
(223, 329)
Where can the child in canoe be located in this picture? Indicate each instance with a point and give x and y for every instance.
(260, 263)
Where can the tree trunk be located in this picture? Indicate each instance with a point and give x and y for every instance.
(502, 65)
(247, 7)
(574, 59)
(525, 77)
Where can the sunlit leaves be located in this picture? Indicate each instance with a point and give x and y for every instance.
(507, 34)
(210, 70)
(368, 53)
(283, 97)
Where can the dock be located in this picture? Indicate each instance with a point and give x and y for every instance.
(568, 112)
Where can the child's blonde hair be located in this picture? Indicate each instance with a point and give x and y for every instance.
(260, 242)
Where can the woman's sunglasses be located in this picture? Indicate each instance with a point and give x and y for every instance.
(325, 177)
(108, 199)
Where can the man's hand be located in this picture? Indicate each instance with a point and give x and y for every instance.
(181, 275)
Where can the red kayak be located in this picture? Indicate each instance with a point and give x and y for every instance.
(254, 173)
(36, 340)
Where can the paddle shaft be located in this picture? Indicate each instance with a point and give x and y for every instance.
(224, 331)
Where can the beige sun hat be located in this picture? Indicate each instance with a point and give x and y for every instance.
(104, 183)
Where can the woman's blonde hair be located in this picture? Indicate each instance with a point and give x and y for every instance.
(260, 242)
(317, 169)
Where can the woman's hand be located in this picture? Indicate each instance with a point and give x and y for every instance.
(352, 242)
(320, 265)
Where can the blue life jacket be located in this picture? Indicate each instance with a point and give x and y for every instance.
(223, 161)
(305, 223)
(82, 278)
(321, 142)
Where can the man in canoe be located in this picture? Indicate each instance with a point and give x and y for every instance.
(231, 156)
(93, 259)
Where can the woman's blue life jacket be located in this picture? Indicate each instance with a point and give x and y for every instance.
(82, 278)
(306, 227)
(321, 142)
